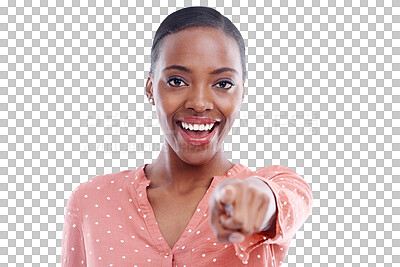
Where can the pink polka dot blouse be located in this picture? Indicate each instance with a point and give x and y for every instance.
(110, 222)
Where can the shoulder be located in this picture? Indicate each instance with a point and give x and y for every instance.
(274, 169)
(102, 183)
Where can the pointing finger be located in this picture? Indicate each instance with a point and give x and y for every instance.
(228, 194)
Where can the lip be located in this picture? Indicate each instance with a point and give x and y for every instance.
(198, 120)
(197, 141)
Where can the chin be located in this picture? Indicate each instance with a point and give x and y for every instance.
(196, 157)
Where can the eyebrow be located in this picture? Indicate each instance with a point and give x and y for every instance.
(182, 68)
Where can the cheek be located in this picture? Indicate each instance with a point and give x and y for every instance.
(232, 118)
(166, 106)
(231, 107)
(231, 114)
(163, 111)
(166, 97)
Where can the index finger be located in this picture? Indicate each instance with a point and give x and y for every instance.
(227, 195)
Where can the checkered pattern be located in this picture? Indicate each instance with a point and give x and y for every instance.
(322, 97)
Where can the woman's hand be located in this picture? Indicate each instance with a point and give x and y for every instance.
(241, 207)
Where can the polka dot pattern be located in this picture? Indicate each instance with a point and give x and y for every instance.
(109, 222)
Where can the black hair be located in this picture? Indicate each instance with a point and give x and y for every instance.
(196, 16)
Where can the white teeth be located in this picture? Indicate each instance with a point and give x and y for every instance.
(197, 127)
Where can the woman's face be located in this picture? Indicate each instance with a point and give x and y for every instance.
(197, 81)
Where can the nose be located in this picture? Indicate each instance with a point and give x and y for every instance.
(200, 99)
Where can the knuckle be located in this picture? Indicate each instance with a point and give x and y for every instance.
(252, 190)
(265, 198)
(236, 185)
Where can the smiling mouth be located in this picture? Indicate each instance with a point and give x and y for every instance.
(197, 133)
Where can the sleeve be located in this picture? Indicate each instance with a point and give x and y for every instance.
(73, 248)
(293, 198)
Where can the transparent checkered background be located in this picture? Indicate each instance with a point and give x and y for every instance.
(322, 97)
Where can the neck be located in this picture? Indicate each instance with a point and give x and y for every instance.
(169, 172)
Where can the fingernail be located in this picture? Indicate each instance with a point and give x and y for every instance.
(228, 191)
(236, 238)
(226, 194)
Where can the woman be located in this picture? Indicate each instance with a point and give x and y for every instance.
(191, 206)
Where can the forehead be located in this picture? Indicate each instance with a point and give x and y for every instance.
(200, 47)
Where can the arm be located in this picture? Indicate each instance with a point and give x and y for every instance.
(293, 198)
(73, 247)
(293, 201)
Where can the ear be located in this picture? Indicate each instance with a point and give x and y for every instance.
(149, 89)
(243, 91)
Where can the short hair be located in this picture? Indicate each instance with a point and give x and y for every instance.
(196, 16)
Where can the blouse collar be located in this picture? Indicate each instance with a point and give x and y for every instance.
(140, 176)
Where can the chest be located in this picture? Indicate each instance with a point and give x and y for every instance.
(173, 213)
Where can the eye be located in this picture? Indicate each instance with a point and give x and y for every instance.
(225, 84)
(175, 82)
